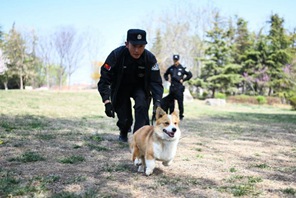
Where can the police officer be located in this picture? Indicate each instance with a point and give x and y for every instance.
(130, 71)
(178, 74)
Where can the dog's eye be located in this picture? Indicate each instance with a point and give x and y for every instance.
(175, 123)
(167, 123)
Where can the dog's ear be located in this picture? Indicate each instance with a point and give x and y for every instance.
(159, 113)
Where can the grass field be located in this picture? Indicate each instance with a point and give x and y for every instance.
(61, 144)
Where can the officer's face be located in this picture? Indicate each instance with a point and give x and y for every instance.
(135, 50)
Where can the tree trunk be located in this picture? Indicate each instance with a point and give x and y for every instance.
(47, 76)
(270, 91)
(5, 85)
(213, 93)
(21, 83)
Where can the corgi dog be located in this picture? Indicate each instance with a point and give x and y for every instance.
(158, 142)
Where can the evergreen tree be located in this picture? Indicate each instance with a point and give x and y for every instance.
(254, 66)
(219, 71)
(243, 43)
(14, 48)
(280, 53)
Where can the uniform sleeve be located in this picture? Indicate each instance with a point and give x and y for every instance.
(104, 84)
(188, 74)
(156, 82)
(166, 74)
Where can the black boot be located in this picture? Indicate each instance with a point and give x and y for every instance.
(181, 117)
(122, 137)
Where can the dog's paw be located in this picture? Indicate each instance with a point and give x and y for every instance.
(148, 171)
(137, 162)
(167, 163)
(141, 169)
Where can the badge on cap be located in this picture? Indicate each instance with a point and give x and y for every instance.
(139, 37)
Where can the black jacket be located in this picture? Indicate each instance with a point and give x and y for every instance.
(112, 75)
(177, 73)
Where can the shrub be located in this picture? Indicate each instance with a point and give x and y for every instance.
(261, 100)
(293, 102)
(242, 99)
(254, 99)
(274, 100)
(220, 96)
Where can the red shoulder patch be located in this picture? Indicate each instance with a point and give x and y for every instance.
(106, 66)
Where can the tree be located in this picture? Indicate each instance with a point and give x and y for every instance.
(93, 47)
(45, 52)
(243, 43)
(68, 47)
(14, 46)
(180, 30)
(255, 66)
(95, 75)
(219, 71)
(280, 54)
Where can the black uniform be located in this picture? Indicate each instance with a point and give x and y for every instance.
(177, 88)
(122, 78)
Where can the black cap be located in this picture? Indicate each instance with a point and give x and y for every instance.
(176, 57)
(136, 37)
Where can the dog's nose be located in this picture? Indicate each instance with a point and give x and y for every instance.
(174, 130)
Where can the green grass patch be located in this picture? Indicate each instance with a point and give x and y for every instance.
(74, 159)
(28, 156)
(8, 182)
(242, 186)
(289, 191)
(115, 168)
(7, 126)
(262, 166)
(97, 147)
(46, 136)
(232, 170)
(96, 138)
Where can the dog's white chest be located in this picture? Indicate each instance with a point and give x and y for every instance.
(165, 151)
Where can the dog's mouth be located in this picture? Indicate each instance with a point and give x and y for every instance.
(170, 133)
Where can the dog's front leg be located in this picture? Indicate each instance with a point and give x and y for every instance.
(150, 165)
(137, 162)
(141, 167)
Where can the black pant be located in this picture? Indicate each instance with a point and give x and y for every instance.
(168, 103)
(176, 93)
(124, 109)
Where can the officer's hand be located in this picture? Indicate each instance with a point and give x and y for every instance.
(109, 110)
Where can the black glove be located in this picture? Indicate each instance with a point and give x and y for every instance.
(109, 110)
(156, 104)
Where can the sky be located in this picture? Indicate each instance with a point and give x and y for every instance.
(110, 19)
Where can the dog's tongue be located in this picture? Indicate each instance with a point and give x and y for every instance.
(171, 134)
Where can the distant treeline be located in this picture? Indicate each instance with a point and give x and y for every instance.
(223, 54)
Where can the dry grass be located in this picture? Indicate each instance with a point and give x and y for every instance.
(60, 144)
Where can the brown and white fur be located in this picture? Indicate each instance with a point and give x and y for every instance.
(158, 142)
